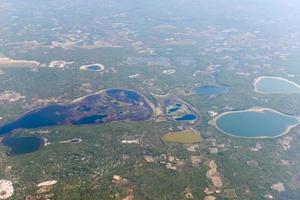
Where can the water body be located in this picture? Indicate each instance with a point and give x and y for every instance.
(175, 108)
(46, 116)
(93, 67)
(211, 90)
(128, 96)
(23, 145)
(93, 109)
(90, 110)
(179, 111)
(187, 117)
(94, 119)
(75, 140)
(255, 123)
(275, 85)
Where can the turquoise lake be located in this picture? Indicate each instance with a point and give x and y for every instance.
(276, 85)
(249, 123)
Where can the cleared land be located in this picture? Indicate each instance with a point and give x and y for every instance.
(184, 137)
(8, 62)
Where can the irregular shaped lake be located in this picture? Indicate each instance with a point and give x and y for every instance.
(211, 90)
(179, 111)
(263, 122)
(275, 85)
(106, 106)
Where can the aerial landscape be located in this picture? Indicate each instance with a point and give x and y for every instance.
(142, 100)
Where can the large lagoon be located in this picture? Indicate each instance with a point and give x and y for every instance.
(256, 122)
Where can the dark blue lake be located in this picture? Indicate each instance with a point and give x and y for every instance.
(93, 67)
(175, 108)
(23, 145)
(98, 108)
(90, 120)
(187, 117)
(47, 116)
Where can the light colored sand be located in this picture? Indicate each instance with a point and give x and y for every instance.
(6, 189)
(8, 62)
(279, 187)
(47, 183)
(149, 159)
(169, 71)
(210, 197)
(45, 187)
(10, 96)
(134, 75)
(213, 174)
(285, 142)
(134, 141)
(58, 64)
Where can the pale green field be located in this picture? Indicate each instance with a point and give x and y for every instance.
(185, 137)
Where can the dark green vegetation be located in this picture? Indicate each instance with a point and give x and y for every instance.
(207, 43)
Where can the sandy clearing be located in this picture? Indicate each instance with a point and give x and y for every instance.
(8, 62)
(6, 189)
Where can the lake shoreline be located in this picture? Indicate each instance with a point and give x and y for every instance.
(257, 110)
(258, 79)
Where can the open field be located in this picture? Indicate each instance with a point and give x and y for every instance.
(185, 137)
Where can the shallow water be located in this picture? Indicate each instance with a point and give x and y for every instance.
(255, 124)
(276, 85)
